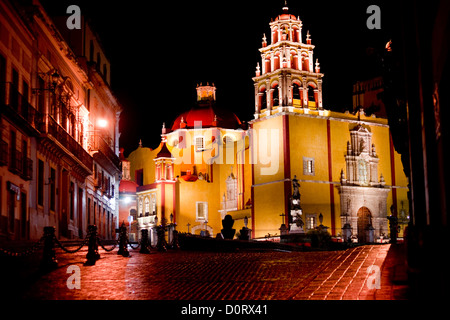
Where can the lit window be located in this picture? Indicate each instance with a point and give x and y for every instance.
(153, 205)
(310, 221)
(202, 211)
(147, 206)
(199, 143)
(309, 167)
(227, 140)
(140, 208)
(362, 172)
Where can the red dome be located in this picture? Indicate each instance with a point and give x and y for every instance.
(210, 116)
(285, 16)
(127, 186)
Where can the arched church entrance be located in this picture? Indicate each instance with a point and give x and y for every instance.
(364, 222)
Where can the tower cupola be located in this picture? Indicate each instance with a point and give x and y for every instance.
(287, 79)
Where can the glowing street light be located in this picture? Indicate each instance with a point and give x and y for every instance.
(102, 123)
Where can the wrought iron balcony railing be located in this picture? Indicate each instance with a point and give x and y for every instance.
(52, 128)
(18, 108)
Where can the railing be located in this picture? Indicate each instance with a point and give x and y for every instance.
(3, 153)
(18, 164)
(15, 162)
(18, 106)
(98, 143)
(49, 241)
(63, 137)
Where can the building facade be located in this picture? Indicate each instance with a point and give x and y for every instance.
(59, 127)
(209, 165)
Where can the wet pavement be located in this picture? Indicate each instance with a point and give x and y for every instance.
(373, 272)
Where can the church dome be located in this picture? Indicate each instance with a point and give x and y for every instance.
(127, 186)
(207, 112)
(210, 116)
(285, 16)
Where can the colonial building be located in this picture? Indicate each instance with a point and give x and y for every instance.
(208, 164)
(59, 127)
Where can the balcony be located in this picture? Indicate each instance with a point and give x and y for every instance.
(103, 154)
(17, 108)
(57, 140)
(20, 165)
(3, 153)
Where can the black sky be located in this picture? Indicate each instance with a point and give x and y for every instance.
(159, 51)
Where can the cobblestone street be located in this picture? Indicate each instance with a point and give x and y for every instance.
(241, 275)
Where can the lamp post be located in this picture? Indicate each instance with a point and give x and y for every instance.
(53, 84)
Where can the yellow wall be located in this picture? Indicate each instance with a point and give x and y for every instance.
(308, 137)
(269, 205)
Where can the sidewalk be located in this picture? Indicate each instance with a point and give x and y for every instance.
(240, 275)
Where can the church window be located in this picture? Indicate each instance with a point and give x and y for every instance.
(362, 172)
(310, 221)
(275, 96)
(140, 207)
(296, 91)
(228, 140)
(201, 211)
(153, 205)
(311, 96)
(309, 167)
(147, 206)
(199, 143)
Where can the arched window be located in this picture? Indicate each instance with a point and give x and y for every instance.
(294, 60)
(311, 96)
(275, 96)
(275, 35)
(295, 33)
(140, 208)
(268, 64)
(153, 205)
(296, 91)
(276, 62)
(263, 97)
(147, 206)
(363, 172)
(305, 63)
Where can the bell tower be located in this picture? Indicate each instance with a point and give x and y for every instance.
(287, 77)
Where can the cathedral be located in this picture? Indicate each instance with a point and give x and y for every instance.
(210, 164)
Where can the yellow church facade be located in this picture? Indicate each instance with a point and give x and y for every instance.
(210, 164)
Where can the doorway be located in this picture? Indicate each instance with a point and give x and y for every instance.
(364, 221)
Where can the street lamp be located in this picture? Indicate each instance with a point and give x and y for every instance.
(55, 79)
(102, 123)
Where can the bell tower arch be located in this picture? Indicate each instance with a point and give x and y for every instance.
(288, 62)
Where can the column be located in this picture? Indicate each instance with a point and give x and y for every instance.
(257, 100)
(319, 96)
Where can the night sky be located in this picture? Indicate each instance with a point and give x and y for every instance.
(161, 50)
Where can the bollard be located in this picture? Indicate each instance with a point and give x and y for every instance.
(92, 256)
(123, 242)
(162, 244)
(145, 243)
(49, 257)
(175, 243)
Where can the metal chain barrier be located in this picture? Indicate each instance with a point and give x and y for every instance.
(26, 252)
(104, 248)
(92, 240)
(85, 241)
